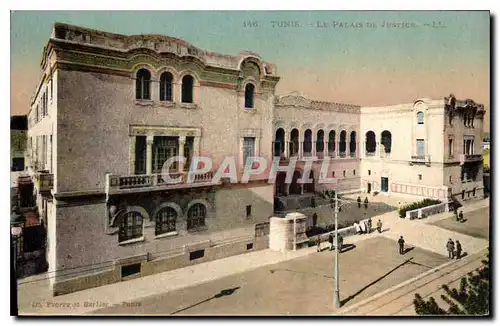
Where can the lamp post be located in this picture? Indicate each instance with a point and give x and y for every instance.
(336, 294)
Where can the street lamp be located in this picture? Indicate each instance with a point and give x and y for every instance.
(336, 294)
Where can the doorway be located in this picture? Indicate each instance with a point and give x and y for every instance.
(384, 186)
(369, 187)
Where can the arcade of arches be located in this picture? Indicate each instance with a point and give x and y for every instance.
(295, 187)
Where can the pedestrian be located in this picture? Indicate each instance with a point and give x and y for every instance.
(450, 246)
(461, 216)
(366, 202)
(455, 211)
(459, 249)
(362, 227)
(340, 243)
(379, 226)
(357, 227)
(369, 225)
(330, 239)
(359, 202)
(401, 243)
(318, 243)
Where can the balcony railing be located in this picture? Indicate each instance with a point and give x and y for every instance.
(45, 181)
(331, 153)
(470, 158)
(370, 154)
(420, 159)
(116, 183)
(352, 154)
(342, 154)
(320, 155)
(385, 155)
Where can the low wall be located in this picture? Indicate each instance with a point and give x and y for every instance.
(112, 274)
(427, 211)
(344, 232)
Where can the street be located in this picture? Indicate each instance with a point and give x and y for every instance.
(299, 286)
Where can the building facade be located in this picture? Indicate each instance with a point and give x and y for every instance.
(429, 148)
(110, 109)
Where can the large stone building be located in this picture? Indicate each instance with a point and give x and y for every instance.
(110, 109)
(429, 148)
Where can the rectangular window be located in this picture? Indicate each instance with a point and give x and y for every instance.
(450, 147)
(188, 151)
(249, 211)
(369, 172)
(353, 172)
(419, 177)
(140, 155)
(248, 148)
(197, 254)
(333, 174)
(131, 270)
(51, 88)
(163, 149)
(420, 147)
(249, 246)
(344, 173)
(450, 178)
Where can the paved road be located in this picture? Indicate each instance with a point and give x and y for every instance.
(300, 286)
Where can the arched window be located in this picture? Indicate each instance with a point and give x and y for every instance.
(187, 89)
(371, 143)
(196, 216)
(165, 220)
(249, 95)
(142, 84)
(331, 143)
(130, 226)
(342, 143)
(420, 118)
(166, 86)
(352, 144)
(386, 140)
(307, 142)
(320, 141)
(279, 143)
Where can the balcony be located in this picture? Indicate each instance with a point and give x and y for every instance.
(44, 181)
(342, 154)
(465, 158)
(153, 182)
(420, 159)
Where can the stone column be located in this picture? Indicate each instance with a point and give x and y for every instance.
(149, 154)
(257, 147)
(240, 152)
(196, 146)
(301, 145)
(325, 149)
(313, 143)
(285, 150)
(182, 142)
(131, 155)
(337, 149)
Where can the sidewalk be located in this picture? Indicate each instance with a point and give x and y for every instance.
(85, 301)
(399, 299)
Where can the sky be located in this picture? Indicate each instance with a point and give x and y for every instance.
(341, 56)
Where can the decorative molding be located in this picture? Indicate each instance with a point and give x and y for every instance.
(135, 130)
(248, 132)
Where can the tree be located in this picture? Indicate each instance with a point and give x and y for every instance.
(472, 298)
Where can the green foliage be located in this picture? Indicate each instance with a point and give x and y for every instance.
(472, 298)
(424, 203)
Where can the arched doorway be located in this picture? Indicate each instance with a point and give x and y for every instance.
(295, 186)
(279, 143)
(280, 184)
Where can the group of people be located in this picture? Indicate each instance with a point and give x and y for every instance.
(458, 216)
(366, 226)
(331, 238)
(454, 251)
(365, 202)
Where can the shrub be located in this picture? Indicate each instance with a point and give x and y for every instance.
(424, 203)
